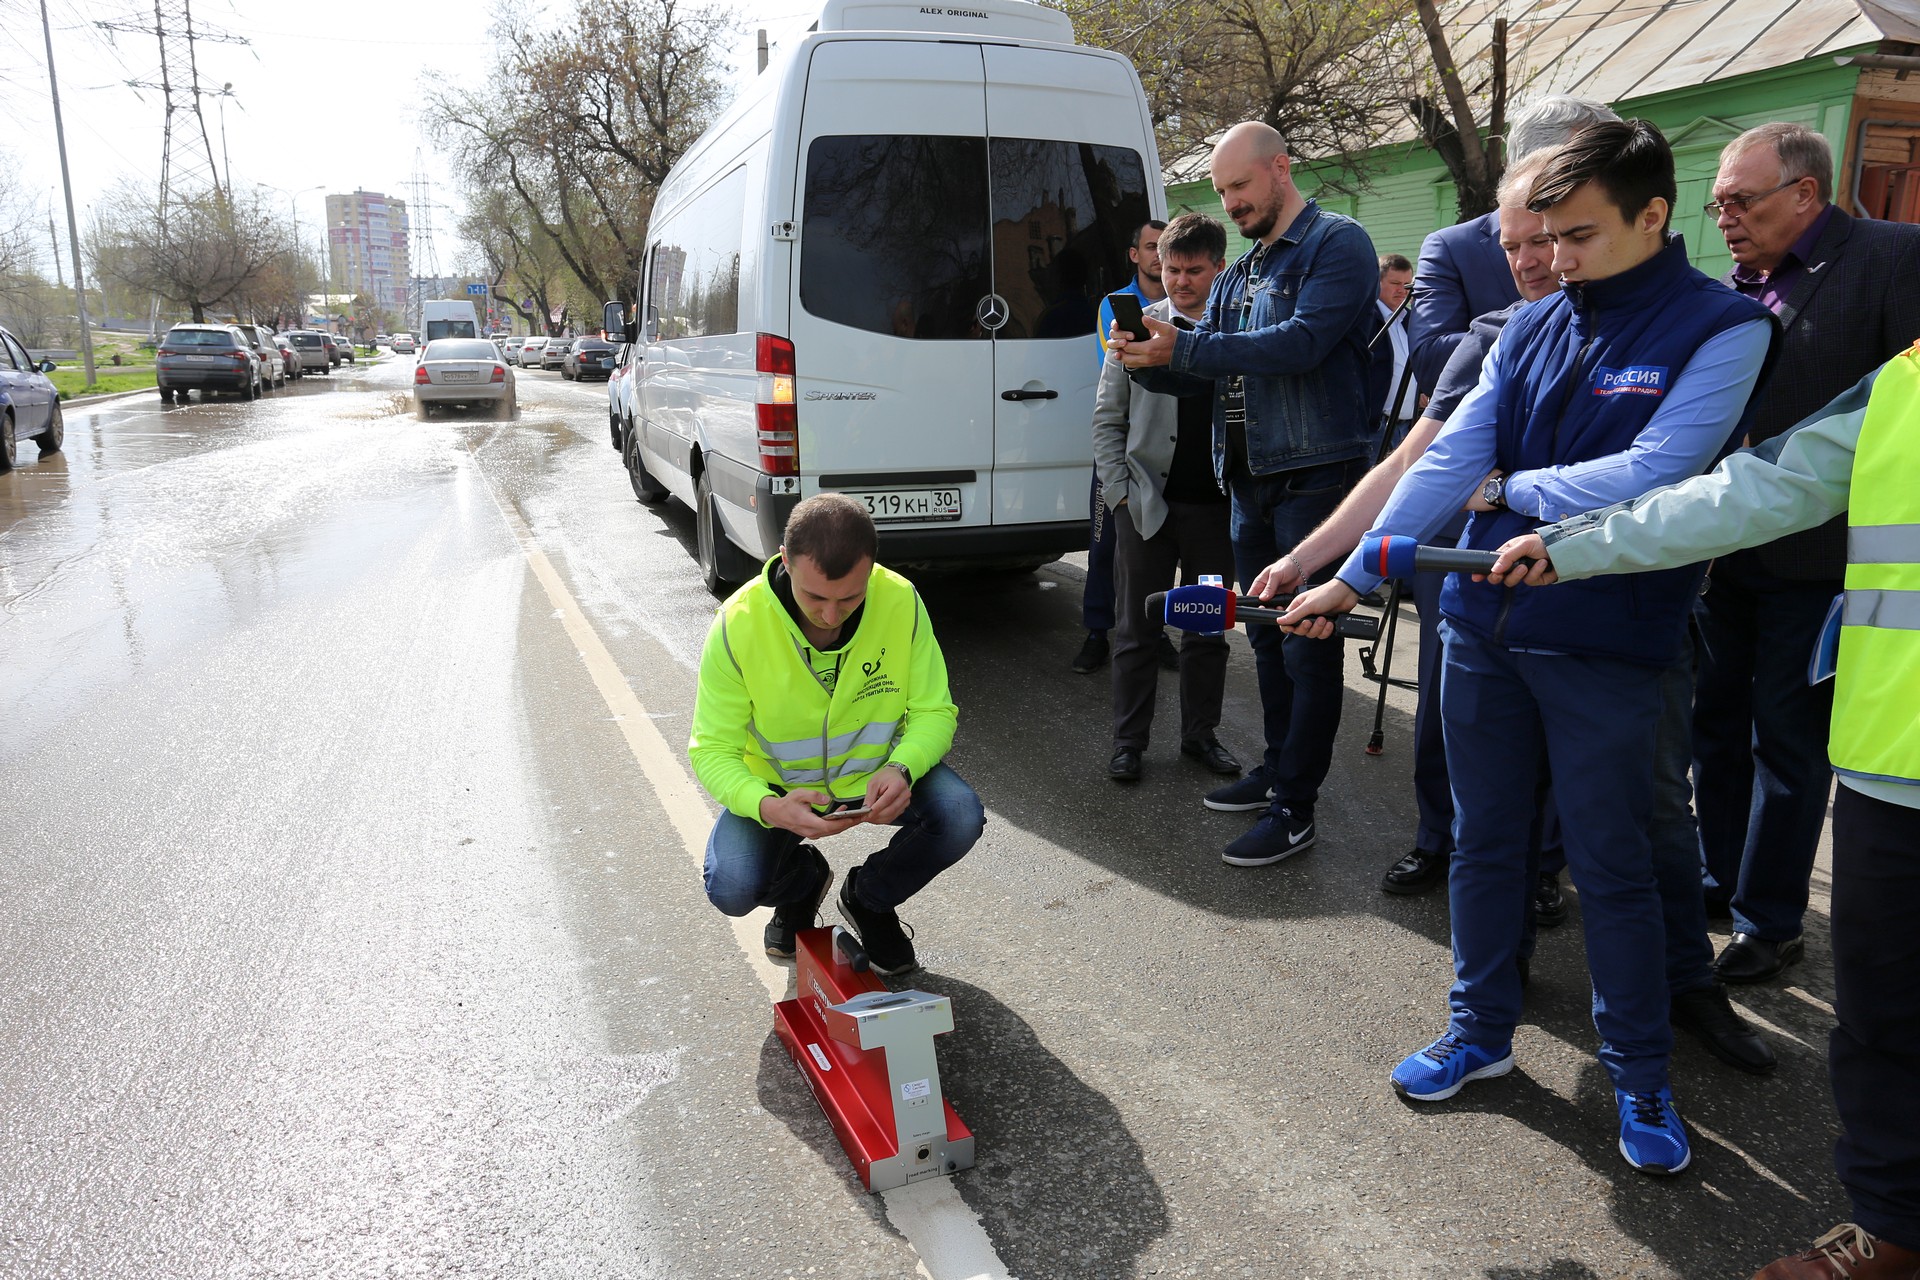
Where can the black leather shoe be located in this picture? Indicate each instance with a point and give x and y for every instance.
(1210, 753)
(1170, 657)
(1093, 654)
(1709, 1017)
(1125, 765)
(1419, 871)
(1751, 959)
(1549, 904)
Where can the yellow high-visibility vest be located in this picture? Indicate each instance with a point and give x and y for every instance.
(1876, 697)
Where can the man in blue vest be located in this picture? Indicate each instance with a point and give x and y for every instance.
(1638, 373)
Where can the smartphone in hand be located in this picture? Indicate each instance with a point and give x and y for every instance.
(1126, 311)
(846, 814)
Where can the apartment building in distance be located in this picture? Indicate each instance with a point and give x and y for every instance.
(367, 244)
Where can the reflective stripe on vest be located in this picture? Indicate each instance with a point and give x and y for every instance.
(800, 760)
(1876, 697)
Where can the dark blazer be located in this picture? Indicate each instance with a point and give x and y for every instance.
(1462, 274)
(1855, 307)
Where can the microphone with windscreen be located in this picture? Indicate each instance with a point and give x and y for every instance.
(1392, 557)
(1214, 609)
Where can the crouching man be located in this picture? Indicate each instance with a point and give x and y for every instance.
(823, 705)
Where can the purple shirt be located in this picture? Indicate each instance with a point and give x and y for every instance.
(1770, 288)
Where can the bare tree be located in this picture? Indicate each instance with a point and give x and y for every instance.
(206, 251)
(1332, 76)
(583, 142)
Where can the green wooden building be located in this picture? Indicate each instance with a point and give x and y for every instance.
(1702, 70)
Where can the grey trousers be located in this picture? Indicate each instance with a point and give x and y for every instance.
(1195, 539)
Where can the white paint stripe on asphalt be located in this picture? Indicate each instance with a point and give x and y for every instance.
(931, 1215)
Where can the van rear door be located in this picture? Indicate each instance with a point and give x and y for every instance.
(894, 372)
(1070, 186)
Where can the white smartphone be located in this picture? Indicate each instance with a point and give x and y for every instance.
(838, 814)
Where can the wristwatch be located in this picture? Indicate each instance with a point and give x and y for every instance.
(904, 771)
(1494, 492)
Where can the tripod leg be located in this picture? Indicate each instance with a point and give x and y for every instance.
(1376, 741)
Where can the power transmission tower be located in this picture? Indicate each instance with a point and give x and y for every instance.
(426, 262)
(186, 151)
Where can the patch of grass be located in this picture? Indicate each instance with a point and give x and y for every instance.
(72, 383)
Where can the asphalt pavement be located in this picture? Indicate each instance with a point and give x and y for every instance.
(351, 922)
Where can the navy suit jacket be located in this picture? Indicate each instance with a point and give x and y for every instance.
(1855, 307)
(1462, 274)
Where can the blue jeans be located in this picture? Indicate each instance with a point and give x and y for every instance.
(1593, 721)
(750, 866)
(1300, 686)
(1760, 742)
(1096, 600)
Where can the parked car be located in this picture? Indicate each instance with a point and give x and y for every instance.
(273, 366)
(530, 352)
(510, 349)
(206, 357)
(464, 372)
(290, 354)
(403, 343)
(312, 350)
(29, 406)
(347, 351)
(334, 342)
(554, 354)
(588, 358)
(618, 383)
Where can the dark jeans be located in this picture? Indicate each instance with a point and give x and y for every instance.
(1675, 838)
(1874, 1052)
(1300, 686)
(1593, 720)
(1193, 540)
(1096, 600)
(1760, 742)
(750, 866)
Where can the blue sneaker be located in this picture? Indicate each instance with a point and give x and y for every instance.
(1275, 836)
(1444, 1067)
(1652, 1138)
(1247, 794)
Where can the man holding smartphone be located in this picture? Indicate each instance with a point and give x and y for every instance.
(823, 704)
(1281, 355)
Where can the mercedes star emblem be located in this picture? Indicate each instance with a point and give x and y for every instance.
(991, 313)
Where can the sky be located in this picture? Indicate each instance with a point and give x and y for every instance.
(332, 107)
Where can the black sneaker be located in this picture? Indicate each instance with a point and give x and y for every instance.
(790, 918)
(888, 943)
(1254, 791)
(1274, 837)
(1093, 654)
(1549, 904)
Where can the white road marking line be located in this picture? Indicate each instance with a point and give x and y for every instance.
(931, 1215)
(1748, 1012)
(1811, 999)
(1751, 1163)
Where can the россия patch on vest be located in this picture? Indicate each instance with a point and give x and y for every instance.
(1635, 379)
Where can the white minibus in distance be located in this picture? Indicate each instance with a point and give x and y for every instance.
(448, 318)
(880, 273)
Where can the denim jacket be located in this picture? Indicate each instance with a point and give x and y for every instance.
(1302, 349)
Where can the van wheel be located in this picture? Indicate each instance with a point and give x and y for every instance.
(718, 558)
(645, 487)
(49, 440)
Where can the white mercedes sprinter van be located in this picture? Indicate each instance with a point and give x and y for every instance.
(879, 273)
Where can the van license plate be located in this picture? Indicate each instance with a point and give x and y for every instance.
(910, 504)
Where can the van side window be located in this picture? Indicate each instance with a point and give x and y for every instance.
(894, 234)
(695, 278)
(1063, 213)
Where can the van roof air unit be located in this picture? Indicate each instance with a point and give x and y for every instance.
(1008, 19)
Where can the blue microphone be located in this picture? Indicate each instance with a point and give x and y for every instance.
(1392, 557)
(1200, 608)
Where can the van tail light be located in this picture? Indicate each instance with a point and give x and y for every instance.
(499, 374)
(779, 417)
(420, 378)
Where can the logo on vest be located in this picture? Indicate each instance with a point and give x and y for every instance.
(877, 681)
(1634, 380)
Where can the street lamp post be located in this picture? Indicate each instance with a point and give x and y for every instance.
(293, 205)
